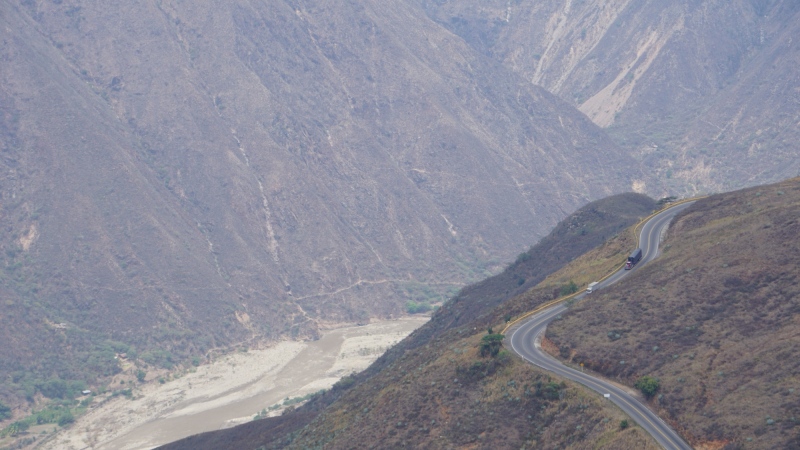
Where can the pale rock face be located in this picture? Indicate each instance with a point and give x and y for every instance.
(711, 84)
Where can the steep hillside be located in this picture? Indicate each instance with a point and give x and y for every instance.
(714, 318)
(433, 390)
(181, 176)
(448, 396)
(703, 93)
(582, 231)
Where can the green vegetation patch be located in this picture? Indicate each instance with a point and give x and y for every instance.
(59, 413)
(648, 385)
(491, 343)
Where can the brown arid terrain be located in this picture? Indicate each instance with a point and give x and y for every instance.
(434, 390)
(182, 177)
(714, 319)
(450, 397)
(445, 395)
(704, 94)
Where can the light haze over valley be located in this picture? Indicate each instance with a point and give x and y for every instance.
(185, 184)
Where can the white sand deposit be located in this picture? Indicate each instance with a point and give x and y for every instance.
(231, 390)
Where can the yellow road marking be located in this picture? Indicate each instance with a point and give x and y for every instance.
(636, 235)
(593, 383)
(590, 380)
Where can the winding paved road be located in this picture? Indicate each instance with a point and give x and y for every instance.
(524, 339)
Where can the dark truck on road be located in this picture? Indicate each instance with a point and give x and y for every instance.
(634, 258)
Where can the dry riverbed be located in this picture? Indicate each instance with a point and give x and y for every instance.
(231, 390)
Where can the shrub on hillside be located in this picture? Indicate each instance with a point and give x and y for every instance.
(58, 388)
(5, 411)
(490, 344)
(480, 369)
(413, 307)
(569, 288)
(15, 429)
(159, 358)
(648, 385)
(551, 390)
(66, 418)
(344, 383)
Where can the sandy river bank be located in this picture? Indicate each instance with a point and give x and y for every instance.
(230, 390)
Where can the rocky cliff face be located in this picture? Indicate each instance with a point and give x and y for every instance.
(180, 176)
(703, 93)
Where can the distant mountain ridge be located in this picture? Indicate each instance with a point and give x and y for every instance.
(703, 93)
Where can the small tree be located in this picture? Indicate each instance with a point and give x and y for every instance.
(17, 428)
(5, 412)
(490, 344)
(569, 288)
(140, 375)
(66, 419)
(648, 385)
(551, 391)
(413, 307)
(623, 424)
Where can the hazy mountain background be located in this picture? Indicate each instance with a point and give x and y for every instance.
(179, 176)
(704, 93)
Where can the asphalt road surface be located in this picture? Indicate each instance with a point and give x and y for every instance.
(525, 337)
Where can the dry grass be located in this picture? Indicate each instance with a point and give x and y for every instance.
(445, 395)
(715, 318)
(434, 391)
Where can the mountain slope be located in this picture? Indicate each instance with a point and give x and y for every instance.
(704, 94)
(178, 177)
(434, 384)
(714, 318)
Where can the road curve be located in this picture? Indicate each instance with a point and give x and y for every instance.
(524, 339)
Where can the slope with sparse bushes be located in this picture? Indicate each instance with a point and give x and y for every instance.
(708, 330)
(705, 332)
(450, 384)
